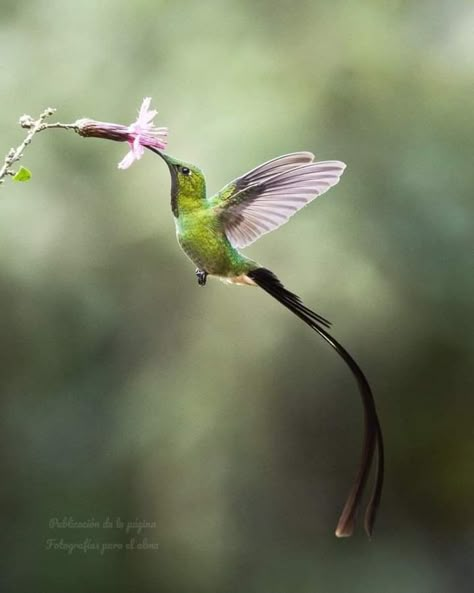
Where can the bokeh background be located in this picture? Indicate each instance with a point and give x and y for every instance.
(212, 414)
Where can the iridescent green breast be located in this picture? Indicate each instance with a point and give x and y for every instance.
(202, 239)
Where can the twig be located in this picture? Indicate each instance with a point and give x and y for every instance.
(35, 126)
(15, 154)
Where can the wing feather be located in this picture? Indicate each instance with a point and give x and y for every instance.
(274, 192)
(262, 173)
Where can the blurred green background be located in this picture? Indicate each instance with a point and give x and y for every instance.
(128, 392)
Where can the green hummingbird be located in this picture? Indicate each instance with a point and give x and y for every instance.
(212, 230)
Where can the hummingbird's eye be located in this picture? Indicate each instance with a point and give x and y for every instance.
(185, 171)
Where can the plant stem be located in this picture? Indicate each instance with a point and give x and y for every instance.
(15, 154)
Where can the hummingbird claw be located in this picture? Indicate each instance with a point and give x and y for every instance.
(201, 276)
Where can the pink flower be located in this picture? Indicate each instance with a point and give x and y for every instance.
(141, 133)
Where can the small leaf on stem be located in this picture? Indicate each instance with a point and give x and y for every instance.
(23, 174)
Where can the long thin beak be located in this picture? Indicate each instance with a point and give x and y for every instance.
(174, 178)
(161, 154)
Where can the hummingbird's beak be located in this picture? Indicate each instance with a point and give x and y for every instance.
(170, 161)
(159, 153)
(174, 178)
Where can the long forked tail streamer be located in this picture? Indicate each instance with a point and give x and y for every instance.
(373, 439)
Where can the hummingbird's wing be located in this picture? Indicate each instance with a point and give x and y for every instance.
(266, 197)
(262, 173)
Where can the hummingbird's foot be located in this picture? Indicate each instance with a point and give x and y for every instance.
(201, 275)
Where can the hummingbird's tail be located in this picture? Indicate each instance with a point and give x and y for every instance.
(372, 432)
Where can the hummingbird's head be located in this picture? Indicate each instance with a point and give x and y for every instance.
(187, 181)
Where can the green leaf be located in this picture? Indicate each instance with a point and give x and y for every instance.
(23, 174)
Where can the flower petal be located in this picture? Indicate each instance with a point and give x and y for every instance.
(127, 160)
(149, 116)
(145, 115)
(137, 147)
(145, 106)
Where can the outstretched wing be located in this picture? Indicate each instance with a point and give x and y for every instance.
(266, 197)
(261, 174)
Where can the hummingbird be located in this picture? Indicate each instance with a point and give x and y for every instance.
(212, 230)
